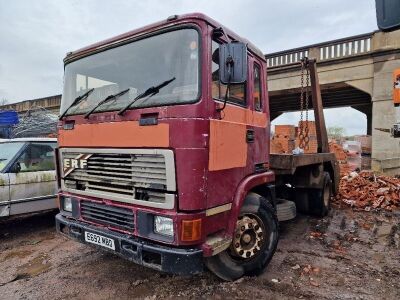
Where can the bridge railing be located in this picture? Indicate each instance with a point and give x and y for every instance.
(351, 46)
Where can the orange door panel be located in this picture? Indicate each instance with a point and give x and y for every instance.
(228, 147)
(396, 87)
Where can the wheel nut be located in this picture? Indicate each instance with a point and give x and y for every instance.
(256, 227)
(241, 252)
(260, 234)
(250, 225)
(237, 245)
(248, 253)
(242, 228)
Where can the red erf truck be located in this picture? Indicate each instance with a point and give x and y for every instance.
(159, 164)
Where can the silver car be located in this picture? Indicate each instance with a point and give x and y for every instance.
(27, 175)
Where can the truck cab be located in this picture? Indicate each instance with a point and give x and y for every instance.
(161, 159)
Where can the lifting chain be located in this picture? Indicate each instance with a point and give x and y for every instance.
(304, 138)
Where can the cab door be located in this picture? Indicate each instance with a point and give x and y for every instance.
(33, 179)
(260, 117)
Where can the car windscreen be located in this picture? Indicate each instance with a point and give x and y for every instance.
(8, 152)
(136, 66)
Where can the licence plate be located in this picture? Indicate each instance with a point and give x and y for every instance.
(100, 240)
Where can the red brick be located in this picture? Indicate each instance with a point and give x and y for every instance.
(285, 130)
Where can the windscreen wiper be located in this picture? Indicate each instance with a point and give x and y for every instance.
(76, 101)
(149, 92)
(108, 98)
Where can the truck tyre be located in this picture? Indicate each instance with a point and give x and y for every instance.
(285, 210)
(254, 241)
(320, 199)
(302, 201)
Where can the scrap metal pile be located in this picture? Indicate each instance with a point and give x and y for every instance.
(368, 191)
(37, 122)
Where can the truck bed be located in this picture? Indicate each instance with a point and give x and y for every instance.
(287, 163)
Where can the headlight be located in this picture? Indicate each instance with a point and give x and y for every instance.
(67, 204)
(163, 225)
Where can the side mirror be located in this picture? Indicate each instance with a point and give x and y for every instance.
(233, 63)
(16, 168)
(387, 14)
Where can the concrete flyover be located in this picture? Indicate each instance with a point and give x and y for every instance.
(353, 72)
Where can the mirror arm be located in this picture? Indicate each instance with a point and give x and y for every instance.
(229, 62)
(226, 98)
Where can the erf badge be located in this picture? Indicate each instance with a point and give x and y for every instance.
(79, 162)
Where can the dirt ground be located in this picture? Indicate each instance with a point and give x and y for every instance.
(348, 255)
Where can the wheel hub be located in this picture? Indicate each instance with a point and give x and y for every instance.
(249, 236)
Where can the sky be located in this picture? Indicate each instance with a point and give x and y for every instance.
(36, 35)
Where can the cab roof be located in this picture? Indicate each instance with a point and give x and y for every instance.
(171, 21)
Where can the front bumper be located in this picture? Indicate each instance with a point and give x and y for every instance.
(166, 259)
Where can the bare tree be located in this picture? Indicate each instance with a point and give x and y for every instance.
(3, 101)
(336, 132)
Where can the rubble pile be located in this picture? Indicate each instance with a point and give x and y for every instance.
(341, 157)
(368, 191)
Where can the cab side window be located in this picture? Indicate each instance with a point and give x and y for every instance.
(236, 93)
(257, 88)
(37, 157)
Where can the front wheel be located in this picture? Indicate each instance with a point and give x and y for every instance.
(254, 241)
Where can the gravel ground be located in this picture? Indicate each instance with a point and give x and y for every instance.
(347, 255)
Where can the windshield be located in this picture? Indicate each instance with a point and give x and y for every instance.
(136, 66)
(7, 153)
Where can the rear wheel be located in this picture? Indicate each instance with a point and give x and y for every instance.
(320, 199)
(302, 201)
(253, 244)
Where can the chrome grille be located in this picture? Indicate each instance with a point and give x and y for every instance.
(145, 175)
(116, 217)
(121, 172)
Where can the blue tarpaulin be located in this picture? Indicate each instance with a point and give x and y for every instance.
(8, 118)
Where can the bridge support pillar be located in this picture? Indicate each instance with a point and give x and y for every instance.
(385, 149)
